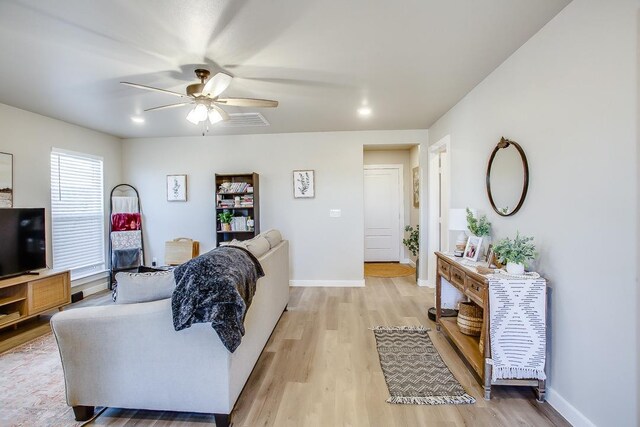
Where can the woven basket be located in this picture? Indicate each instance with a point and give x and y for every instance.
(470, 319)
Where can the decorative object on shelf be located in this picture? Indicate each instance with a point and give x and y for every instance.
(470, 318)
(250, 223)
(6, 180)
(416, 186)
(507, 177)
(444, 312)
(176, 188)
(458, 222)
(304, 184)
(472, 250)
(225, 220)
(515, 253)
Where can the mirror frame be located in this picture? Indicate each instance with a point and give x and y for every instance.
(505, 143)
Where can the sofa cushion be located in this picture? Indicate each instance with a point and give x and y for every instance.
(144, 287)
(258, 246)
(273, 236)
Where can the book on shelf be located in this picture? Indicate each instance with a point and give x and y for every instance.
(235, 187)
(239, 223)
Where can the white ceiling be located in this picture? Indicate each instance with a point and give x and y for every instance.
(410, 60)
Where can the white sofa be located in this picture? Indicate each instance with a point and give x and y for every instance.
(130, 356)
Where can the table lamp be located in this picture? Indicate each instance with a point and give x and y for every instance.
(458, 222)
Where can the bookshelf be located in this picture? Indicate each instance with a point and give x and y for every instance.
(238, 195)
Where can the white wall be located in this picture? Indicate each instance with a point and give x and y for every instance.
(30, 138)
(322, 248)
(397, 157)
(568, 96)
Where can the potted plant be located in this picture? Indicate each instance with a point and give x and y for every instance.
(515, 253)
(412, 242)
(478, 226)
(225, 220)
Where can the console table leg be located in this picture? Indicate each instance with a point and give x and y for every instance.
(487, 380)
(540, 391)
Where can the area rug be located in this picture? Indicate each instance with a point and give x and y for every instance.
(388, 269)
(413, 369)
(32, 386)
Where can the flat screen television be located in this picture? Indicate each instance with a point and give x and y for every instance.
(22, 241)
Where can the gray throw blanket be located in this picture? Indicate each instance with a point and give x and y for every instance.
(216, 287)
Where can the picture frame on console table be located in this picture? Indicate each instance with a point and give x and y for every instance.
(176, 188)
(473, 248)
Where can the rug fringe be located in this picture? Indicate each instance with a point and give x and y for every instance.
(419, 328)
(432, 400)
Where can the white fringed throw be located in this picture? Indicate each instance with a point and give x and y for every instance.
(518, 330)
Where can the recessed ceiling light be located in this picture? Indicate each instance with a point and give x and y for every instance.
(137, 119)
(364, 111)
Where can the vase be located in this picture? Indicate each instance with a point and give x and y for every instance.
(226, 226)
(514, 268)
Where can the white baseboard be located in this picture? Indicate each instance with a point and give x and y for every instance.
(409, 262)
(328, 283)
(567, 410)
(426, 283)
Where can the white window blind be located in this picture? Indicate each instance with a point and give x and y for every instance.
(77, 213)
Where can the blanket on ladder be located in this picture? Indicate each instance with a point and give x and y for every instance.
(517, 327)
(216, 287)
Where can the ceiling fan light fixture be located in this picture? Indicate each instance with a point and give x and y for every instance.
(364, 111)
(214, 116)
(198, 114)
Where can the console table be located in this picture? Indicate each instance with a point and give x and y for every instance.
(474, 286)
(26, 296)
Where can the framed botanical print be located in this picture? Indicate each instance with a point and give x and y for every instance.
(304, 185)
(176, 188)
(416, 187)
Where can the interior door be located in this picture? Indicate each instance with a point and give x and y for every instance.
(382, 214)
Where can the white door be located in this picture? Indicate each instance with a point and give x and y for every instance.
(382, 214)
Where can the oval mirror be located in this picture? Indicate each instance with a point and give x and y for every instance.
(507, 177)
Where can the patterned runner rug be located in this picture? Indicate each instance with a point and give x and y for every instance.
(413, 369)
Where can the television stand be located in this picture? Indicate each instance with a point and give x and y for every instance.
(26, 296)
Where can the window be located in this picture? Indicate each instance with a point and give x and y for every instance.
(77, 213)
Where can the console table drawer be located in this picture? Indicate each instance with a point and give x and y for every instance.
(475, 291)
(458, 278)
(444, 269)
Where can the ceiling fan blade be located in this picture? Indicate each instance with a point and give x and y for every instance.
(216, 85)
(247, 102)
(162, 107)
(223, 113)
(155, 89)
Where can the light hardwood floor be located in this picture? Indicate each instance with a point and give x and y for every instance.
(321, 368)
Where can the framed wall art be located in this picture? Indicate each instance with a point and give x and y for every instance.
(304, 184)
(416, 187)
(176, 188)
(6, 180)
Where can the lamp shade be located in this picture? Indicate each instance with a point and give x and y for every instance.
(458, 219)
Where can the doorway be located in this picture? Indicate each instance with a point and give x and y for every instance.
(439, 192)
(384, 212)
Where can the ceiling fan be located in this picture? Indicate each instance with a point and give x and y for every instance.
(206, 98)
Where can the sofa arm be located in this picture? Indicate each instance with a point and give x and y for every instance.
(129, 356)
